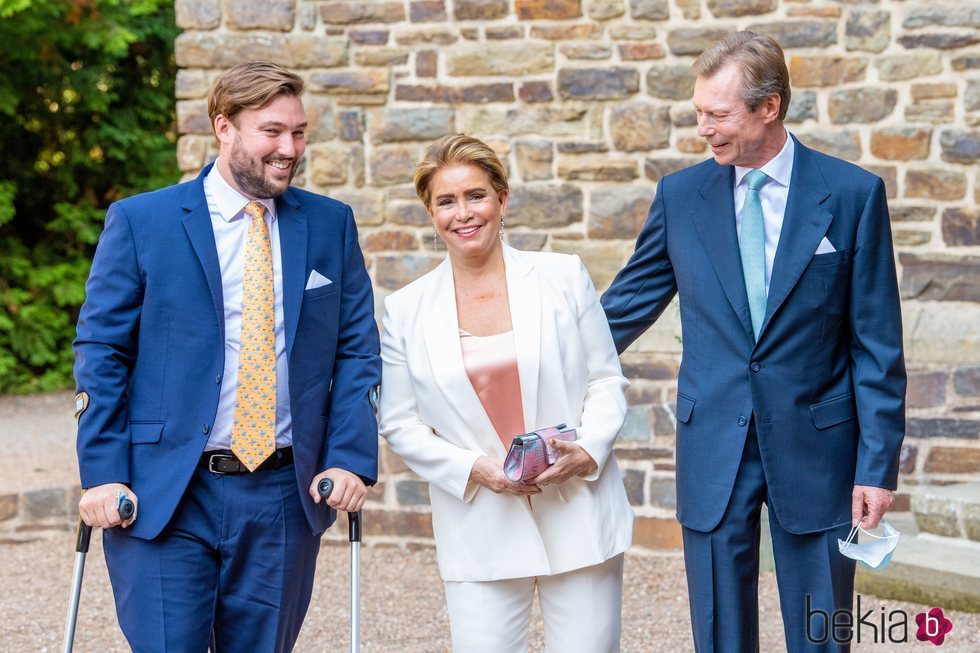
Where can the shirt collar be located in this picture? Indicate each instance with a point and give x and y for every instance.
(779, 168)
(229, 202)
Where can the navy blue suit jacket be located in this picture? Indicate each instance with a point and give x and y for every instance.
(826, 379)
(150, 347)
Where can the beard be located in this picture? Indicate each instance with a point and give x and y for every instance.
(250, 175)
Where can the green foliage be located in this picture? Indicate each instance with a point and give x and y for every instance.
(86, 117)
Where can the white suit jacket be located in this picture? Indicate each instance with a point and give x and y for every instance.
(433, 419)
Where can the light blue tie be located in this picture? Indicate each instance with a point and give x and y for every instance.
(752, 247)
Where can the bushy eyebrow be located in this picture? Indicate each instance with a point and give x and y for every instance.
(468, 190)
(281, 125)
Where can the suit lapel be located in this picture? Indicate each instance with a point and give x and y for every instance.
(805, 222)
(713, 214)
(197, 223)
(524, 293)
(293, 237)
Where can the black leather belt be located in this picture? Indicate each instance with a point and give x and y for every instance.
(225, 462)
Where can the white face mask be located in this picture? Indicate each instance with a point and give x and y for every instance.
(877, 553)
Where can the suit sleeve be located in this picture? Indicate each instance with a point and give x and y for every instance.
(436, 460)
(352, 433)
(644, 287)
(105, 352)
(877, 361)
(604, 408)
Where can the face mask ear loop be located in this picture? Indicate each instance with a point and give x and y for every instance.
(850, 536)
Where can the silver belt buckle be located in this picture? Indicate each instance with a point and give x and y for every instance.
(212, 459)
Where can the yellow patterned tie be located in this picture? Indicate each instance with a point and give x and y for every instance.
(253, 435)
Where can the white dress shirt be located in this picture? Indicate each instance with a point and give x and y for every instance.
(230, 224)
(773, 197)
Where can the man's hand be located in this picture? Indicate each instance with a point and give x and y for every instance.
(490, 474)
(574, 461)
(348, 490)
(871, 503)
(98, 505)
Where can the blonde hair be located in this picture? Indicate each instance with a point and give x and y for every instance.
(458, 149)
(761, 61)
(250, 85)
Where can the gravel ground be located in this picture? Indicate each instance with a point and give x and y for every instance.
(403, 609)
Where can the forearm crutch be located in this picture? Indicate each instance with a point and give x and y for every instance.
(325, 487)
(83, 536)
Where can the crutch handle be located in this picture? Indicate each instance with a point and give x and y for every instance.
(325, 487)
(83, 535)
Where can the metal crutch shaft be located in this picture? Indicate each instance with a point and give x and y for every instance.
(325, 487)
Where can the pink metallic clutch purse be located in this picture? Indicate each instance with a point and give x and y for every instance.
(532, 453)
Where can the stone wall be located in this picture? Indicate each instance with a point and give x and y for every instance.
(588, 101)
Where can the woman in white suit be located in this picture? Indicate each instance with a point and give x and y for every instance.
(493, 343)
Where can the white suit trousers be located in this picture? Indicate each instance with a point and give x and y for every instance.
(582, 611)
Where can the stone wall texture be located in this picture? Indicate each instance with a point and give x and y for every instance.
(588, 103)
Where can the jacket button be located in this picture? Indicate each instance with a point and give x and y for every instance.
(217, 379)
(742, 421)
(755, 367)
(206, 428)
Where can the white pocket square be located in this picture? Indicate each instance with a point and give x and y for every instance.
(316, 280)
(824, 248)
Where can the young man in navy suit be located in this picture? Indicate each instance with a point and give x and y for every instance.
(225, 358)
(792, 385)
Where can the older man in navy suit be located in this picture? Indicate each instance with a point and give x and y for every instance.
(791, 390)
(226, 354)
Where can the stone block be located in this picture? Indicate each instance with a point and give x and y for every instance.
(504, 32)
(329, 164)
(636, 427)
(427, 36)
(814, 12)
(694, 40)
(640, 51)
(480, 9)
(910, 237)
(350, 82)
(536, 92)
(471, 94)
(942, 427)
(670, 81)
(398, 523)
(960, 146)
(899, 67)
(657, 533)
(799, 33)
(935, 183)
(633, 32)
(842, 144)
(649, 9)
(907, 459)
(408, 213)
(901, 143)
(354, 13)
(926, 389)
(610, 83)
(542, 121)
(534, 159)
(940, 277)
(389, 240)
(971, 520)
(367, 206)
(656, 168)
(683, 116)
(652, 367)
(350, 125)
(605, 9)
(735, 8)
(932, 91)
(587, 51)
(889, 175)
(8, 506)
(368, 36)
(398, 124)
(590, 168)
(321, 124)
(500, 59)
(396, 270)
(543, 206)
(826, 70)
(567, 31)
(392, 165)
(966, 62)
(191, 84)
(935, 514)
(634, 480)
(901, 213)
(273, 15)
(953, 460)
(639, 127)
(618, 212)
(581, 147)
(197, 14)
(940, 40)
(192, 117)
(208, 50)
(966, 381)
(427, 11)
(802, 106)
(548, 9)
(41, 504)
(961, 228)
(944, 14)
(861, 104)
(643, 453)
(603, 259)
(691, 145)
(971, 97)
(942, 333)
(867, 30)
(191, 152)
(412, 492)
(381, 57)
(663, 492)
(531, 242)
(934, 111)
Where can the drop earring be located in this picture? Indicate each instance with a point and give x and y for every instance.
(501, 232)
(435, 239)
